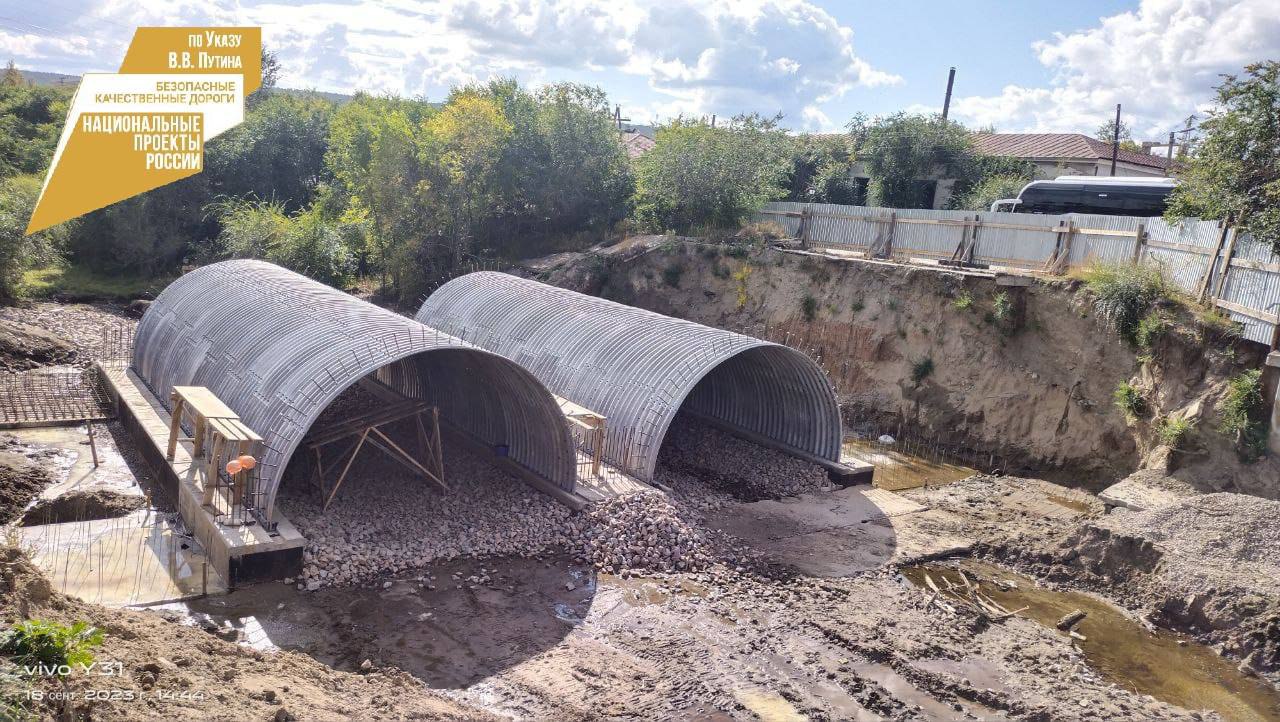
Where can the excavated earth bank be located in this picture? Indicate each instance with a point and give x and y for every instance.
(1030, 390)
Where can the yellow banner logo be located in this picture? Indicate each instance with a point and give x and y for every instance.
(146, 126)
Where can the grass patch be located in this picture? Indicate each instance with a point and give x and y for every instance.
(740, 277)
(809, 307)
(1149, 330)
(857, 305)
(672, 273)
(37, 642)
(921, 369)
(1002, 307)
(963, 302)
(1241, 415)
(1129, 399)
(1125, 292)
(1173, 431)
(80, 282)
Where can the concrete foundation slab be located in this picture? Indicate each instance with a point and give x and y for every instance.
(137, 559)
(239, 554)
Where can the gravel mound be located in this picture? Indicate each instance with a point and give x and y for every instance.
(640, 531)
(1221, 530)
(748, 471)
(78, 325)
(24, 347)
(1206, 565)
(385, 521)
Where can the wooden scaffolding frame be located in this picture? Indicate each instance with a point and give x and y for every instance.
(364, 428)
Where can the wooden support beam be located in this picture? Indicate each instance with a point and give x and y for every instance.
(1226, 263)
(345, 469)
(1246, 311)
(1203, 286)
(407, 456)
(175, 425)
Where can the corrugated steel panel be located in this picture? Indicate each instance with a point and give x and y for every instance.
(278, 347)
(1184, 268)
(1031, 249)
(639, 368)
(1254, 288)
(1015, 247)
(1089, 248)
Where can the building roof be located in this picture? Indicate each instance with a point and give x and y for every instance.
(636, 144)
(1064, 146)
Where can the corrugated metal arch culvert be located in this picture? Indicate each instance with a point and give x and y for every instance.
(639, 368)
(278, 347)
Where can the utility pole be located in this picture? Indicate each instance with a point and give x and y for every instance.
(1115, 141)
(1169, 154)
(946, 102)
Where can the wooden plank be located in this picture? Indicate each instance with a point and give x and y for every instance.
(1246, 311)
(1107, 232)
(1168, 245)
(345, 469)
(175, 426)
(1255, 265)
(1139, 240)
(1226, 263)
(203, 402)
(1203, 286)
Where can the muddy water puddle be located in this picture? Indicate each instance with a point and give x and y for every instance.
(896, 468)
(448, 632)
(1165, 665)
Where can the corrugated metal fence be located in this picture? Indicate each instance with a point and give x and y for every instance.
(1210, 262)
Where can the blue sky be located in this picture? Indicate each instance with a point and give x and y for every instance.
(1021, 66)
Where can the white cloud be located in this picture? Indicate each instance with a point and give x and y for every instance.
(693, 57)
(1159, 62)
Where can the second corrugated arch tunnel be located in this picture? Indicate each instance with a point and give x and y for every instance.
(640, 369)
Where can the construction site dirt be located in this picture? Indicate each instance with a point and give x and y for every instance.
(743, 584)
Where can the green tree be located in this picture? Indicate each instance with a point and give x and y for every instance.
(989, 178)
(31, 120)
(12, 76)
(373, 155)
(307, 241)
(903, 153)
(697, 175)
(822, 171)
(277, 152)
(1235, 174)
(463, 146)
(980, 195)
(18, 251)
(1106, 133)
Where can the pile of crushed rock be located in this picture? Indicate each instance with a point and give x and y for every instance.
(640, 531)
(384, 521)
(745, 470)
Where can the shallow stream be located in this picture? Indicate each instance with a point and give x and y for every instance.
(1168, 666)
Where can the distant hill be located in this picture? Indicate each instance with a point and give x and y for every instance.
(40, 77)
